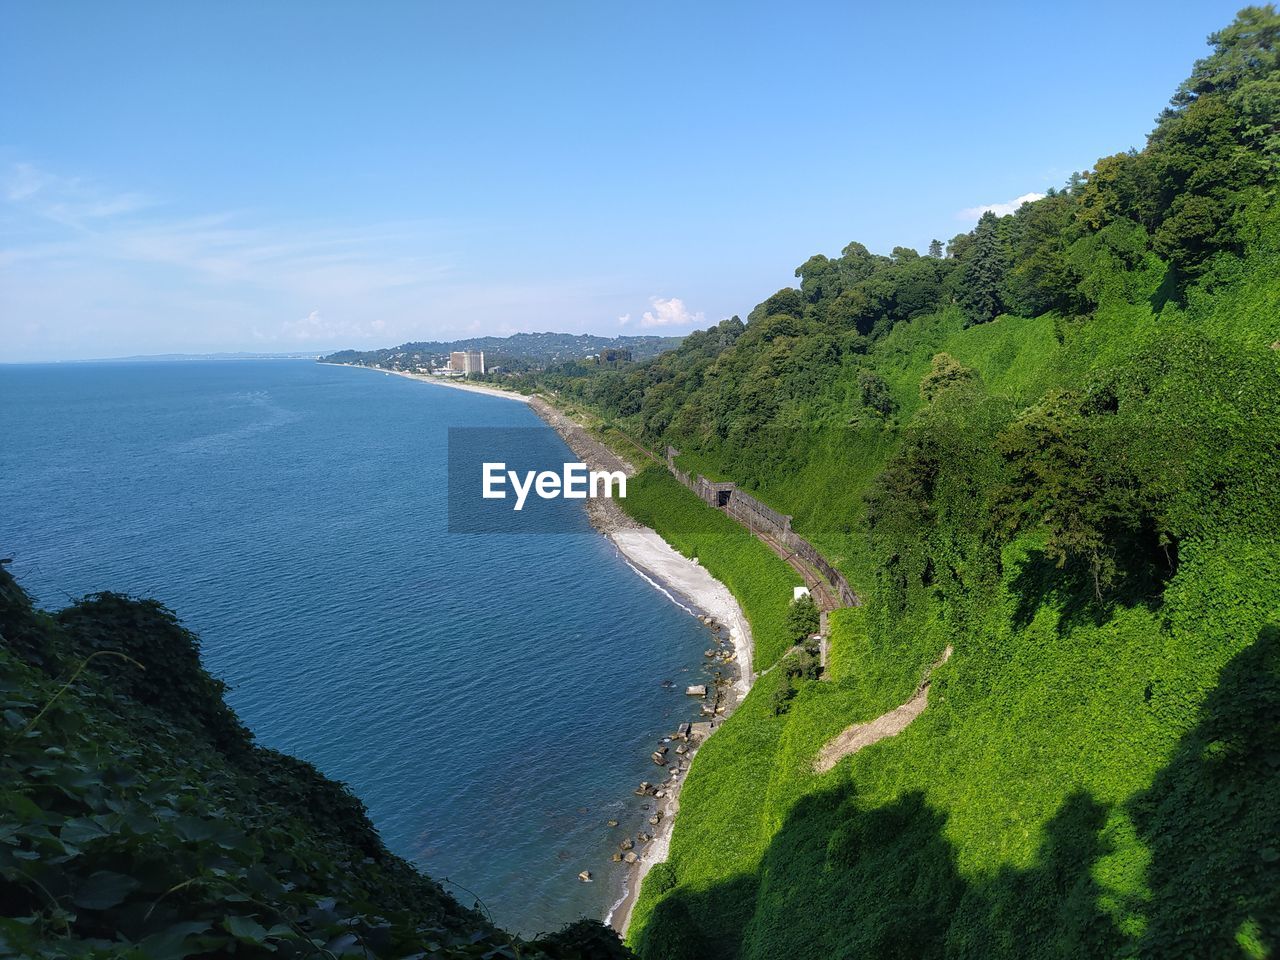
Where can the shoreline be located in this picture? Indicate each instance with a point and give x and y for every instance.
(656, 561)
(439, 381)
(682, 580)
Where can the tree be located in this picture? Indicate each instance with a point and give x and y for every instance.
(983, 272)
(935, 249)
(1071, 471)
(945, 373)
(1247, 49)
(802, 619)
(876, 394)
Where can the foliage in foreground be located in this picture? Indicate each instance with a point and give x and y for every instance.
(139, 820)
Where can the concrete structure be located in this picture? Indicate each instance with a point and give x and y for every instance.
(467, 361)
(761, 518)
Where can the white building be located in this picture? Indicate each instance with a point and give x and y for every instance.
(467, 361)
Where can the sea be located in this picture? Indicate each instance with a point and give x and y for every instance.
(493, 698)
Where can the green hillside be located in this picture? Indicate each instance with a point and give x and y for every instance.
(1053, 445)
(520, 351)
(139, 821)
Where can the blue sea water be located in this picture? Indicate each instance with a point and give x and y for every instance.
(493, 699)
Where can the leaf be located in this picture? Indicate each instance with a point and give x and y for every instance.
(81, 830)
(195, 829)
(245, 928)
(169, 944)
(104, 890)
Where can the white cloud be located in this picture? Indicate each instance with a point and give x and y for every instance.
(316, 328)
(999, 209)
(669, 312)
(624, 319)
(71, 201)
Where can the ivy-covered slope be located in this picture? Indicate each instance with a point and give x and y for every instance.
(138, 819)
(1052, 446)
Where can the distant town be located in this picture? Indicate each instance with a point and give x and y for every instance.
(499, 356)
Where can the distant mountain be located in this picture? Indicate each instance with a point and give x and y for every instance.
(520, 351)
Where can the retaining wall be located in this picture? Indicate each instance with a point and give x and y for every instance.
(757, 516)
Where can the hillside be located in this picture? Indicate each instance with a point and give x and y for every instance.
(520, 351)
(1051, 445)
(140, 820)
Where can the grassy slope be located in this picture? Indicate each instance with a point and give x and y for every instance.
(1076, 787)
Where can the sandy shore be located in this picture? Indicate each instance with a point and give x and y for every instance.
(685, 582)
(452, 382)
(645, 549)
(672, 572)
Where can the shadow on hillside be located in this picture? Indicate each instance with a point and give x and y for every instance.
(1212, 820)
(1142, 572)
(841, 880)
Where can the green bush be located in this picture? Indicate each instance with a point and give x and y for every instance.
(802, 619)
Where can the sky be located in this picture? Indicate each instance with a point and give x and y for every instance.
(309, 176)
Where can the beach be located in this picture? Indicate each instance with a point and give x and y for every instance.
(655, 560)
(688, 584)
(443, 382)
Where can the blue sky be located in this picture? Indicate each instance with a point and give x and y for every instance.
(307, 176)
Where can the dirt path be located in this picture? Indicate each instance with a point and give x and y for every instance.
(852, 739)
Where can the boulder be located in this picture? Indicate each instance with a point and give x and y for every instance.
(616, 858)
(626, 844)
(655, 819)
(696, 690)
(585, 876)
(611, 823)
(630, 858)
(659, 759)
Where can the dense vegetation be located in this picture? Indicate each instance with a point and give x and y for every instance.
(519, 352)
(1053, 445)
(139, 820)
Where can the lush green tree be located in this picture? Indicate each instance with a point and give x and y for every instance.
(944, 373)
(1247, 49)
(875, 393)
(985, 264)
(802, 619)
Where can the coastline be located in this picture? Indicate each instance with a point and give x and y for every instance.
(683, 580)
(439, 381)
(657, 561)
